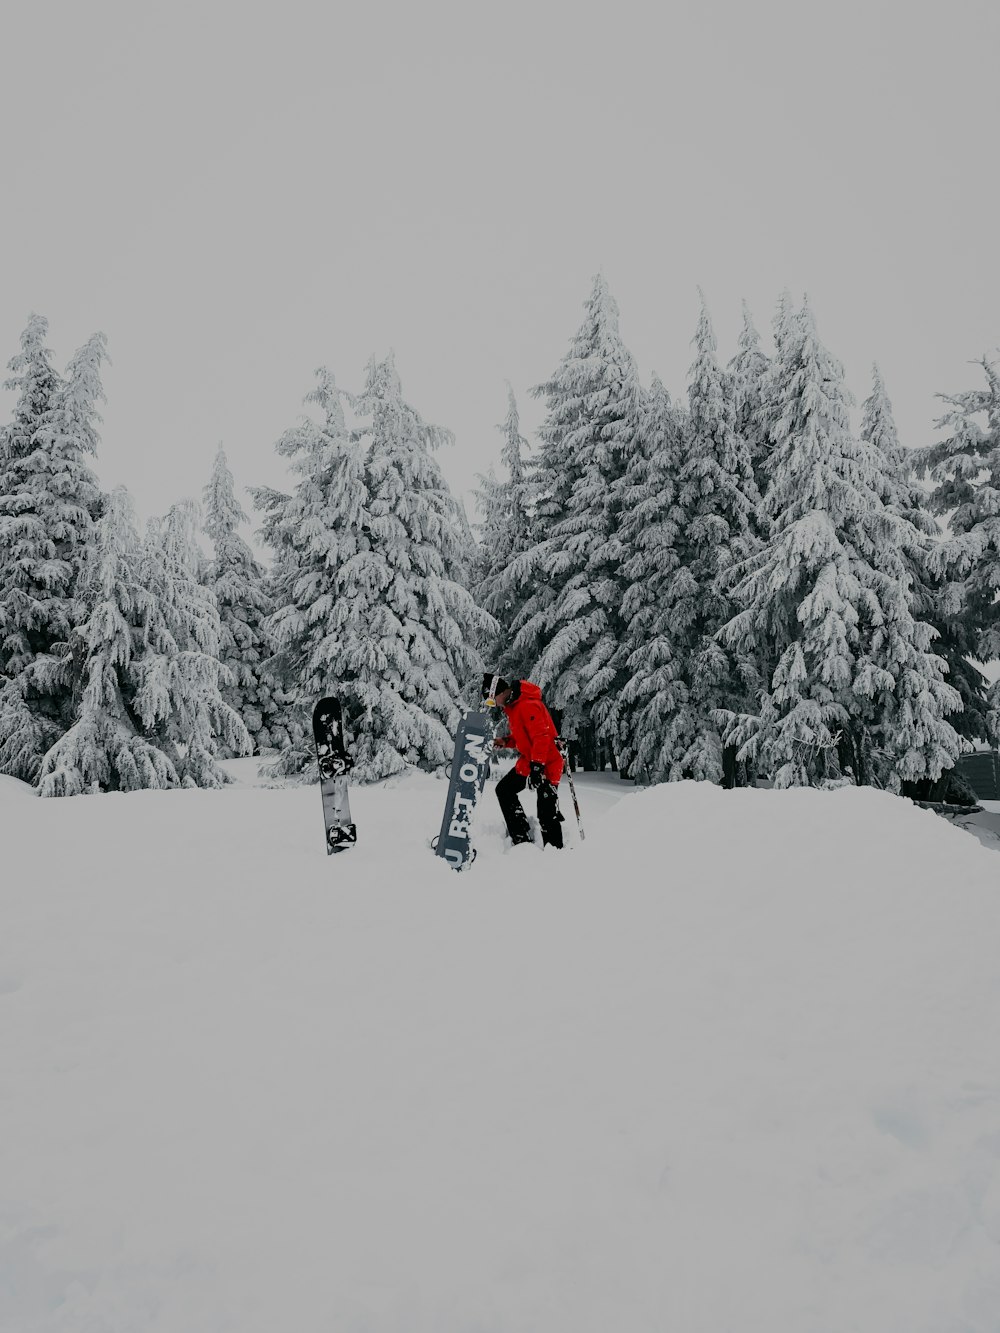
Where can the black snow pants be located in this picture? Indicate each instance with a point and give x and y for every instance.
(509, 788)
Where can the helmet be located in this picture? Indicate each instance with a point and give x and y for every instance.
(492, 686)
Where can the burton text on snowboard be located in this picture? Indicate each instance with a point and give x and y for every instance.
(473, 746)
(334, 765)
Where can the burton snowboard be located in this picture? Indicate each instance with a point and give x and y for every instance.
(473, 746)
(334, 765)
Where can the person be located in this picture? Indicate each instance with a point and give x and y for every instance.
(539, 764)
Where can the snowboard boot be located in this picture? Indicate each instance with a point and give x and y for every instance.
(549, 817)
(509, 789)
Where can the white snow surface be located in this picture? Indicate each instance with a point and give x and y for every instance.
(14, 789)
(732, 1064)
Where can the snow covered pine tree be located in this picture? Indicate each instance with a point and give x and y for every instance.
(852, 689)
(111, 746)
(505, 533)
(569, 627)
(49, 499)
(965, 469)
(236, 579)
(370, 553)
(182, 677)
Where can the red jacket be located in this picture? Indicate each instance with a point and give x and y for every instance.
(532, 733)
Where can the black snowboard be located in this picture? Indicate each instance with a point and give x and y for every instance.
(334, 765)
(471, 764)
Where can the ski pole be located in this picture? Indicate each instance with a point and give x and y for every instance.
(564, 751)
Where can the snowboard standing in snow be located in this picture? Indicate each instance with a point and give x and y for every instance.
(473, 746)
(334, 765)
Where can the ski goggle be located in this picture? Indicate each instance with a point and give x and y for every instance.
(491, 694)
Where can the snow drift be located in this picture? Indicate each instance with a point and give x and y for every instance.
(731, 1064)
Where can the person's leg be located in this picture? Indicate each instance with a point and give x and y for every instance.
(549, 818)
(509, 789)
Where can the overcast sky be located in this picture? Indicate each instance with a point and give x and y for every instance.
(235, 199)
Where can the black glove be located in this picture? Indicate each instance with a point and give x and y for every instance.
(536, 775)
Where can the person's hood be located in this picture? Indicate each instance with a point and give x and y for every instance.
(529, 690)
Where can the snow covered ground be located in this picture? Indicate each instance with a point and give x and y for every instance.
(12, 789)
(729, 1065)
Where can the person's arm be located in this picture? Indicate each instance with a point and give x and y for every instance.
(541, 733)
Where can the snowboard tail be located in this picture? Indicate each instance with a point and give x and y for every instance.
(469, 768)
(334, 765)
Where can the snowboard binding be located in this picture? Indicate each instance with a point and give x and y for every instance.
(341, 836)
(334, 765)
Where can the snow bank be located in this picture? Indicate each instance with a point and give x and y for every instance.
(731, 1064)
(14, 789)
